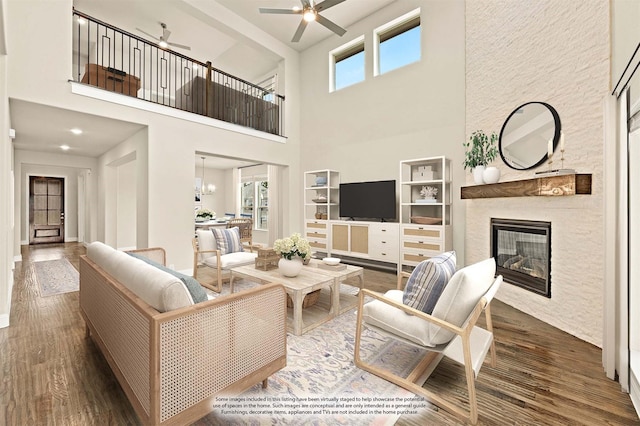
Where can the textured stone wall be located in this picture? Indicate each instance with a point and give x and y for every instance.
(555, 51)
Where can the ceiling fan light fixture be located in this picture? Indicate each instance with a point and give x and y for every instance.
(163, 44)
(309, 15)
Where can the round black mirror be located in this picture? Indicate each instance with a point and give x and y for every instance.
(525, 135)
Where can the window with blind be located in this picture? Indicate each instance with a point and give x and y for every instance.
(397, 43)
(347, 64)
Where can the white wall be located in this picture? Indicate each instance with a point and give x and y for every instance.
(29, 163)
(365, 130)
(126, 205)
(6, 195)
(556, 52)
(217, 201)
(625, 35)
(45, 26)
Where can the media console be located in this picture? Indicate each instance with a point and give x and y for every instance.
(424, 226)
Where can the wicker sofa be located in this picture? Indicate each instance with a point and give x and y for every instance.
(172, 365)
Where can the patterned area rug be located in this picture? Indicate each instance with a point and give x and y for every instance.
(321, 385)
(56, 277)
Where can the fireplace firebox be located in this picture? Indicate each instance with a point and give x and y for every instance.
(522, 250)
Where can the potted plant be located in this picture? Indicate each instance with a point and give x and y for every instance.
(480, 150)
(293, 250)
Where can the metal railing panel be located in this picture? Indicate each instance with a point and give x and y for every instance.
(121, 62)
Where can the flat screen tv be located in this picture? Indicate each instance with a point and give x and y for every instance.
(368, 200)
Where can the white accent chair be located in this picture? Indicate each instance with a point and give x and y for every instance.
(205, 252)
(449, 331)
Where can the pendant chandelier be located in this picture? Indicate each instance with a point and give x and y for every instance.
(206, 189)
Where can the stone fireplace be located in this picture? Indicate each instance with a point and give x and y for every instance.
(522, 249)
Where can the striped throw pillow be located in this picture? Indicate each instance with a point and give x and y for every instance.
(228, 240)
(428, 280)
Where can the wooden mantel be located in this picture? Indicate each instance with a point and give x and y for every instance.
(549, 186)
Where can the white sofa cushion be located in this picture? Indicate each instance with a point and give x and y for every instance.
(393, 320)
(461, 294)
(231, 260)
(161, 290)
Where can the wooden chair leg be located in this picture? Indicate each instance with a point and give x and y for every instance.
(470, 415)
(487, 315)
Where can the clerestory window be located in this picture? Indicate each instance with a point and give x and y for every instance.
(346, 65)
(397, 43)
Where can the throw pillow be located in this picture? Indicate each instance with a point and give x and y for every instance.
(228, 240)
(428, 280)
(193, 286)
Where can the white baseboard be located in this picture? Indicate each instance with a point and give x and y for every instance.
(4, 320)
(24, 242)
(71, 240)
(187, 272)
(126, 248)
(17, 258)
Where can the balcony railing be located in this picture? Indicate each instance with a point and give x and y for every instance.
(121, 62)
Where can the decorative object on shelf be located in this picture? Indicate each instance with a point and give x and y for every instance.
(422, 173)
(202, 215)
(293, 250)
(426, 220)
(320, 199)
(429, 193)
(561, 170)
(522, 144)
(267, 259)
(480, 150)
(491, 175)
(321, 180)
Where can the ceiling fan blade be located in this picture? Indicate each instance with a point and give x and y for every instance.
(146, 33)
(305, 3)
(280, 11)
(181, 46)
(333, 27)
(326, 4)
(299, 31)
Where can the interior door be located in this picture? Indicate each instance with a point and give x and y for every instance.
(46, 210)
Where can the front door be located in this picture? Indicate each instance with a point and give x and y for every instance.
(46, 210)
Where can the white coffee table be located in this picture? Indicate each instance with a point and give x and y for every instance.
(311, 278)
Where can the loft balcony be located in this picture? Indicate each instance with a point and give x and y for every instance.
(115, 60)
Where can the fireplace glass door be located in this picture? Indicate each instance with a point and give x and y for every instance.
(522, 250)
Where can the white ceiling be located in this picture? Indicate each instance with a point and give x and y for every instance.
(44, 128)
(283, 27)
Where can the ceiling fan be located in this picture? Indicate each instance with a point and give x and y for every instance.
(310, 12)
(163, 39)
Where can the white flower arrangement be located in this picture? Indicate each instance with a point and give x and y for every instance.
(205, 214)
(428, 192)
(293, 246)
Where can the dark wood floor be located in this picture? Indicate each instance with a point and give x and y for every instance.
(52, 374)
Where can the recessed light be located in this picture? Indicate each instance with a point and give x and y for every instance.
(65, 147)
(76, 131)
